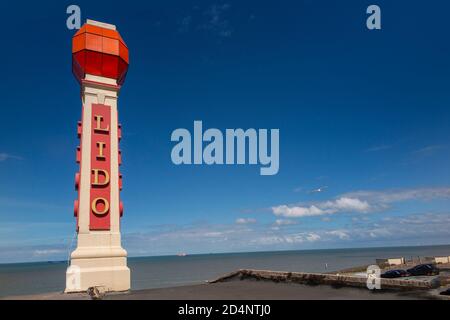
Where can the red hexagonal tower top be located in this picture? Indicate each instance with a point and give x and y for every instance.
(98, 49)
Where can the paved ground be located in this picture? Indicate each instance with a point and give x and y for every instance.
(245, 290)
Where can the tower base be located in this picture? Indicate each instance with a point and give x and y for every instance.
(104, 267)
(111, 278)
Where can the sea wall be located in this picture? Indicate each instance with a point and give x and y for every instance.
(327, 279)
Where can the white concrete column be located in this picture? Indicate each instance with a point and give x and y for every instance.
(99, 259)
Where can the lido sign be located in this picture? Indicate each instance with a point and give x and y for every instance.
(100, 188)
(100, 162)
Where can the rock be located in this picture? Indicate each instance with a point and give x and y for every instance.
(96, 293)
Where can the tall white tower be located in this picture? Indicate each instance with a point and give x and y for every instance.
(99, 63)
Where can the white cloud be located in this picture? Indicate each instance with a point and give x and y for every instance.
(295, 212)
(288, 239)
(185, 24)
(216, 21)
(416, 229)
(327, 207)
(379, 148)
(245, 221)
(347, 204)
(284, 222)
(429, 150)
(267, 240)
(312, 237)
(428, 218)
(360, 202)
(6, 156)
(213, 234)
(341, 234)
(398, 195)
(47, 252)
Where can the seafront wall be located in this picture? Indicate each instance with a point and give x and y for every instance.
(327, 279)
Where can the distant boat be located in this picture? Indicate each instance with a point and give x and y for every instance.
(182, 254)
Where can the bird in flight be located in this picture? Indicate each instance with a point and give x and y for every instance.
(318, 190)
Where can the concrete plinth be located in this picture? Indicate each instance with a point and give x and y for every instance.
(112, 274)
(98, 261)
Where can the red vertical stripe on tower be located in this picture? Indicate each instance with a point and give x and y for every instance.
(100, 204)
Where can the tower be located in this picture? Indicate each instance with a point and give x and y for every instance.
(99, 63)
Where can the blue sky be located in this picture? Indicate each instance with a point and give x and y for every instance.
(363, 114)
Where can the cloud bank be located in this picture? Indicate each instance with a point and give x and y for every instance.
(360, 202)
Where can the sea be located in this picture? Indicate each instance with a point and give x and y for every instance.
(170, 271)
